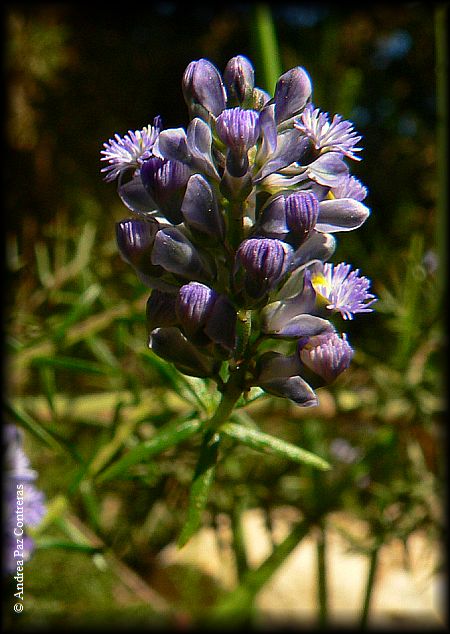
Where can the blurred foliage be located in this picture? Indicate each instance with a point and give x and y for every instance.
(79, 377)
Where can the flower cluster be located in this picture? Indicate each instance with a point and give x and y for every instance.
(233, 223)
(23, 503)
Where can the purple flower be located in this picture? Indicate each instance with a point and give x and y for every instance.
(264, 262)
(350, 187)
(200, 209)
(257, 185)
(292, 92)
(166, 181)
(23, 503)
(203, 88)
(327, 355)
(239, 129)
(337, 136)
(344, 290)
(289, 216)
(206, 316)
(124, 153)
(239, 79)
(279, 375)
(135, 238)
(193, 306)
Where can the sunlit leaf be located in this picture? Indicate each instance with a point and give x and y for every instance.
(200, 487)
(261, 441)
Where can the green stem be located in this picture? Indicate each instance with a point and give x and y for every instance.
(235, 607)
(266, 45)
(322, 577)
(232, 392)
(373, 563)
(238, 539)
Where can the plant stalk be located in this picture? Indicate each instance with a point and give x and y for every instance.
(373, 563)
(266, 45)
(322, 594)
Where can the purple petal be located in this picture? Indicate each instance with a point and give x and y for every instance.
(292, 92)
(200, 210)
(328, 169)
(341, 214)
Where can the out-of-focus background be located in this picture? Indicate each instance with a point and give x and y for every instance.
(82, 385)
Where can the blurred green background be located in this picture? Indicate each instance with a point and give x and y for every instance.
(78, 376)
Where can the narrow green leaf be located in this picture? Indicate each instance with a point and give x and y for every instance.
(261, 441)
(78, 310)
(233, 609)
(201, 485)
(49, 542)
(73, 364)
(168, 436)
(34, 427)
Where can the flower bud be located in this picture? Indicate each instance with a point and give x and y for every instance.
(203, 89)
(264, 262)
(289, 217)
(135, 239)
(165, 181)
(194, 304)
(327, 355)
(239, 79)
(239, 129)
(292, 92)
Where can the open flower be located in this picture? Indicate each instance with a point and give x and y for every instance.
(344, 290)
(335, 136)
(127, 152)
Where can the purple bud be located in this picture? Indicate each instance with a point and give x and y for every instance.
(194, 304)
(302, 210)
(202, 86)
(239, 79)
(135, 239)
(165, 181)
(292, 92)
(239, 129)
(294, 214)
(327, 355)
(264, 261)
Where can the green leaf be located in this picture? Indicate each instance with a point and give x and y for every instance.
(233, 609)
(34, 427)
(265, 442)
(201, 485)
(73, 364)
(168, 436)
(50, 542)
